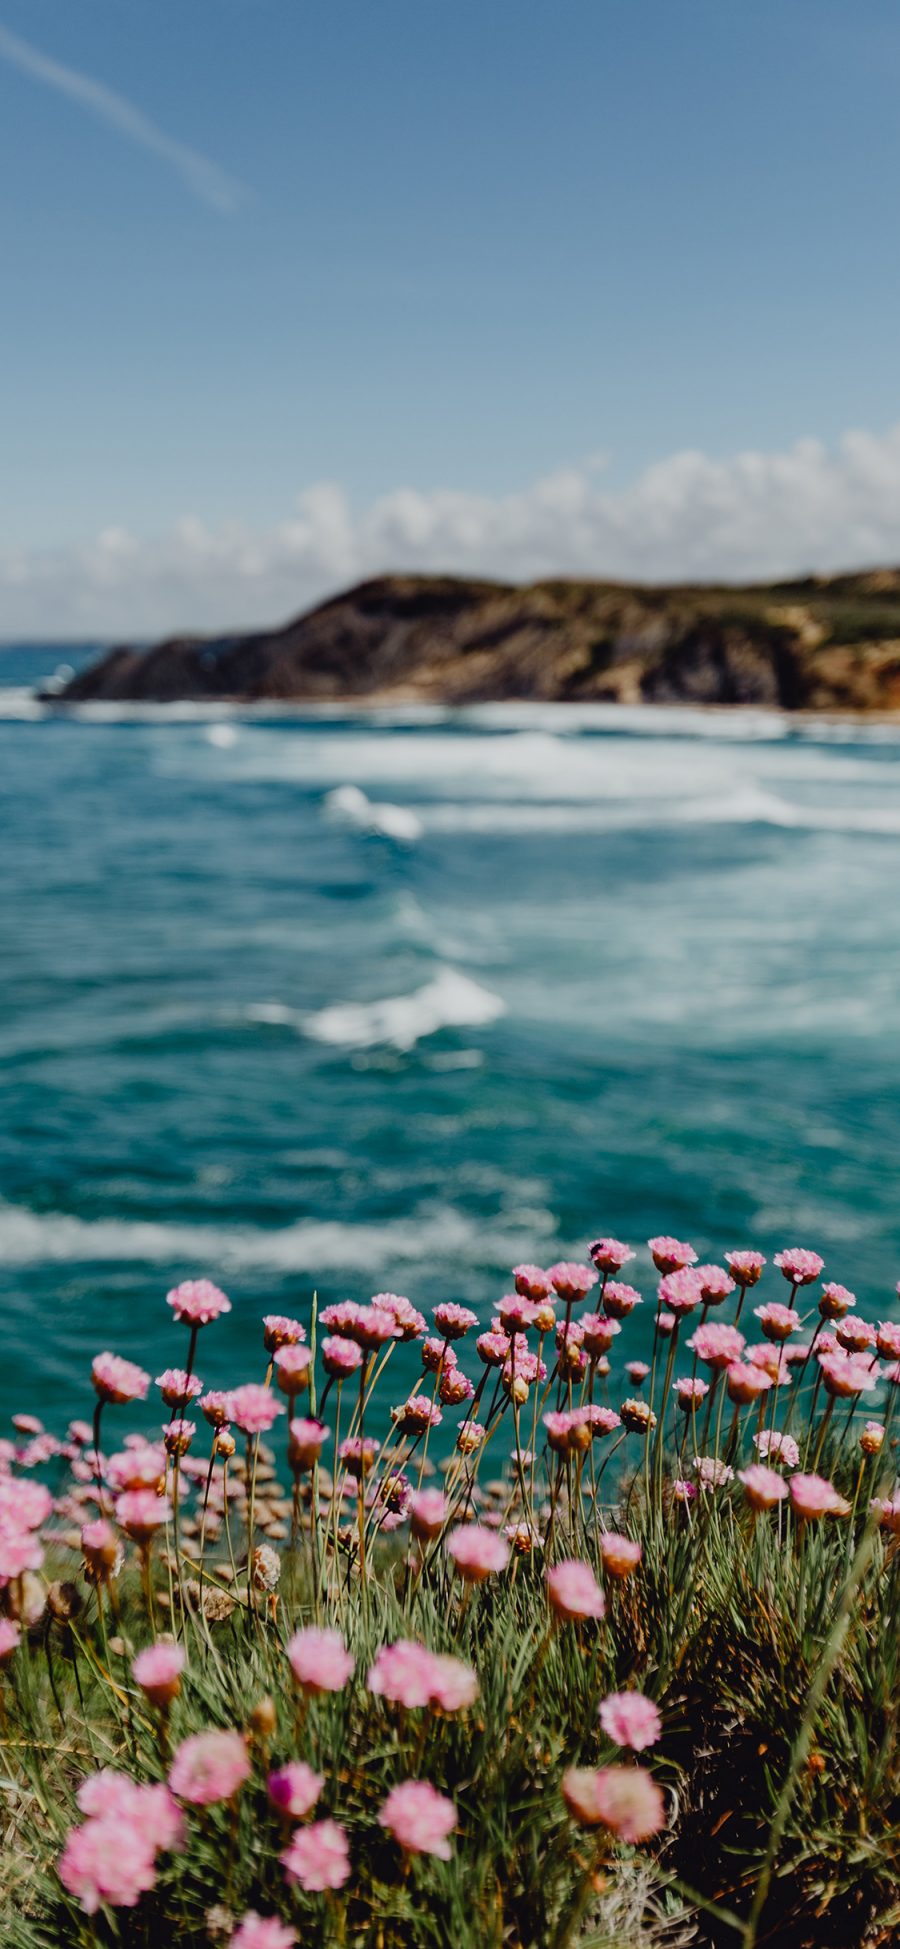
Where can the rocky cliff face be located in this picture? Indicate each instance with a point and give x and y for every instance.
(818, 644)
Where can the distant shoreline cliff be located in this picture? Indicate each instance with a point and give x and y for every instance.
(823, 643)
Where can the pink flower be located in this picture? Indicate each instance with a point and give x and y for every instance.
(799, 1267)
(574, 1591)
(197, 1301)
(420, 1818)
(637, 1416)
(532, 1281)
(763, 1487)
(782, 1447)
(609, 1254)
(887, 1339)
(157, 1670)
(847, 1374)
(10, 1638)
(778, 1322)
(178, 1435)
(671, 1254)
(294, 1789)
(292, 1365)
(666, 1324)
(262, 1932)
(318, 1857)
(598, 1333)
(631, 1720)
(402, 1672)
(813, 1497)
(492, 1348)
(253, 1408)
(887, 1509)
(625, 1799)
(516, 1313)
(717, 1344)
(319, 1660)
(745, 1384)
(856, 1335)
(619, 1300)
(453, 1321)
(108, 1860)
(340, 1356)
(306, 1440)
(281, 1331)
(571, 1281)
(680, 1291)
(454, 1686)
(711, 1472)
(689, 1392)
(214, 1407)
(454, 1387)
(358, 1454)
(600, 1421)
(141, 1512)
(118, 1380)
(745, 1267)
(871, 1439)
(470, 1437)
(428, 1509)
(715, 1284)
(209, 1766)
(477, 1553)
(178, 1387)
(835, 1301)
(19, 1551)
(371, 1327)
(619, 1555)
(26, 1505)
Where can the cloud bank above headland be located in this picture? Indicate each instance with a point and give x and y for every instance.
(689, 516)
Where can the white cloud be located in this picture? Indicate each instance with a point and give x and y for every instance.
(688, 516)
(204, 178)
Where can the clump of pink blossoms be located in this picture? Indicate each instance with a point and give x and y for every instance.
(262, 1932)
(799, 1267)
(294, 1789)
(318, 1857)
(419, 1818)
(630, 1719)
(118, 1380)
(763, 1487)
(574, 1592)
(157, 1670)
(319, 1660)
(609, 1254)
(208, 1767)
(253, 1408)
(813, 1497)
(624, 1799)
(671, 1254)
(477, 1552)
(196, 1302)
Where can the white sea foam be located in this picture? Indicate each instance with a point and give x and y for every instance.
(434, 1233)
(450, 1000)
(351, 807)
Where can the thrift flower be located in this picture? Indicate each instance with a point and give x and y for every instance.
(763, 1487)
(571, 1281)
(574, 1592)
(745, 1267)
(609, 1254)
(319, 1660)
(619, 1300)
(630, 1719)
(196, 1302)
(772, 1442)
(813, 1497)
(340, 1356)
(292, 1368)
(671, 1254)
(208, 1767)
(280, 1331)
(253, 1409)
(157, 1670)
(118, 1380)
(419, 1818)
(477, 1553)
(318, 1857)
(625, 1799)
(620, 1556)
(798, 1266)
(532, 1282)
(294, 1789)
(262, 1932)
(453, 1321)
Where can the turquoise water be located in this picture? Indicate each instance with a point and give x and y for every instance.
(355, 1002)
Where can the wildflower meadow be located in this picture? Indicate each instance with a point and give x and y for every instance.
(562, 1647)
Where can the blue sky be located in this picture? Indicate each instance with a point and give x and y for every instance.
(323, 286)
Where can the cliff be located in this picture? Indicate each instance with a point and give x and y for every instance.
(815, 644)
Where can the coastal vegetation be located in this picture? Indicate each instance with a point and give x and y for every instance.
(562, 1647)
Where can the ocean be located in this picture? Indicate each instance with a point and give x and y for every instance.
(354, 1001)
